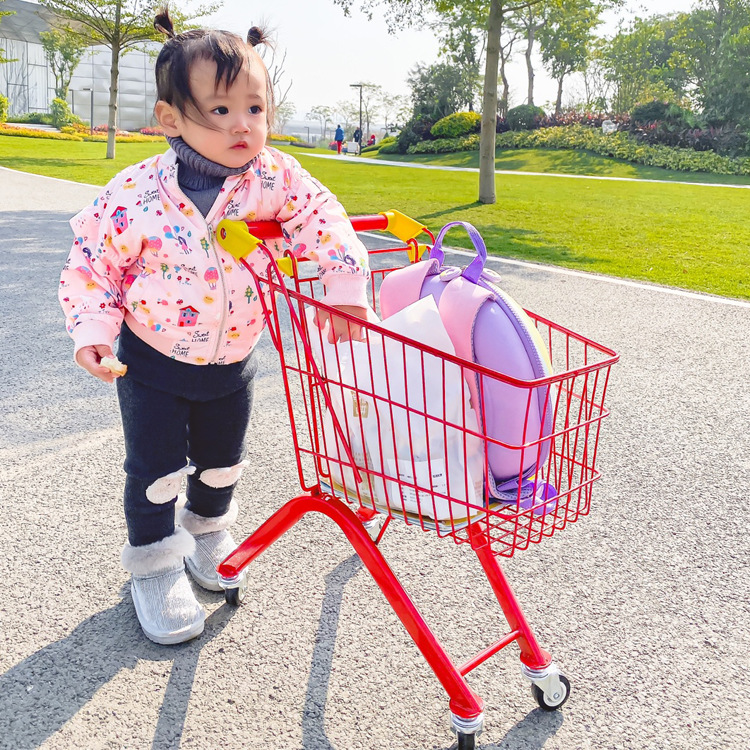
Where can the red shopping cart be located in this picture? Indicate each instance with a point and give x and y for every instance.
(347, 421)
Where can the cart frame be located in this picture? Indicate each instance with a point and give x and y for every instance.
(361, 525)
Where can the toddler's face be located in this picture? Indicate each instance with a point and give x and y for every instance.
(233, 129)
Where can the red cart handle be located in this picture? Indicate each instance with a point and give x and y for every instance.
(240, 238)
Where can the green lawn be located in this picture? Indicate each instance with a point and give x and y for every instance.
(694, 237)
(558, 161)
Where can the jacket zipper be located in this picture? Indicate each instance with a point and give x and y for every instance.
(225, 296)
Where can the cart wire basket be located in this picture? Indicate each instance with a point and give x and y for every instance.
(383, 429)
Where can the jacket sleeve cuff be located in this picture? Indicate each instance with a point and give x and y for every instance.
(93, 333)
(346, 289)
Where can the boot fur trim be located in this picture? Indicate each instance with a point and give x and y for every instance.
(196, 524)
(166, 554)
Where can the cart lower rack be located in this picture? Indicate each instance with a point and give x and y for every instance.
(359, 419)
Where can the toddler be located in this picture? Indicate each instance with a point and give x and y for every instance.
(145, 266)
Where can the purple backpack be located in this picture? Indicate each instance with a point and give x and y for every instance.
(488, 327)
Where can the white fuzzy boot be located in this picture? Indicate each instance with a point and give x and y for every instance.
(213, 543)
(164, 601)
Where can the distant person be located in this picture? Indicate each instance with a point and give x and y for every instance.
(358, 137)
(371, 140)
(339, 138)
(145, 266)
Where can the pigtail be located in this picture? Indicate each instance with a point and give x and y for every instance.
(257, 36)
(163, 23)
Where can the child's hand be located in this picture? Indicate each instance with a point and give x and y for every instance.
(339, 328)
(90, 357)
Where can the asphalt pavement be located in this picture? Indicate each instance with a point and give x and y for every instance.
(644, 604)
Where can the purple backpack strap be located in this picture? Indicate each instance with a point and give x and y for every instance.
(474, 270)
(461, 300)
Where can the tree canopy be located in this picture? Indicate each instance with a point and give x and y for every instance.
(120, 25)
(4, 59)
(64, 51)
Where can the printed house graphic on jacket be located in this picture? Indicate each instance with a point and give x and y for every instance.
(188, 316)
(120, 219)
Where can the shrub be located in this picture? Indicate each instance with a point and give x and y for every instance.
(151, 131)
(501, 125)
(661, 111)
(4, 104)
(416, 130)
(284, 138)
(589, 119)
(524, 117)
(724, 140)
(649, 111)
(60, 112)
(37, 118)
(457, 124)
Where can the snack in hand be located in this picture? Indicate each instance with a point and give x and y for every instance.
(114, 365)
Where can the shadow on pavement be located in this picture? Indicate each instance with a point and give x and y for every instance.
(531, 733)
(39, 695)
(313, 713)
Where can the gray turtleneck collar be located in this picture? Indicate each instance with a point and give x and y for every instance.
(200, 178)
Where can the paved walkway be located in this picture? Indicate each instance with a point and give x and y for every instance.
(643, 603)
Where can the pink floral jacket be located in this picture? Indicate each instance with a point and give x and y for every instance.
(143, 253)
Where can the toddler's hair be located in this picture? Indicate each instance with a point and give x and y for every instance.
(230, 53)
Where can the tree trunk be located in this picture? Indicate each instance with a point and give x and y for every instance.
(503, 104)
(114, 78)
(489, 106)
(529, 66)
(558, 101)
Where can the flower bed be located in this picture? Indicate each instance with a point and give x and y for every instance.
(34, 133)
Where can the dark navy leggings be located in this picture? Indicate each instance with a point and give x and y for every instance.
(162, 433)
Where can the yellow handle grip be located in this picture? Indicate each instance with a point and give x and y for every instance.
(403, 226)
(235, 238)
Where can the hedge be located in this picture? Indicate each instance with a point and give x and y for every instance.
(617, 145)
(446, 145)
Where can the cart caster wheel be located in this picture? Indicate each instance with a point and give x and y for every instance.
(551, 704)
(234, 596)
(466, 741)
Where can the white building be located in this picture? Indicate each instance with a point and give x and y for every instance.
(29, 85)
